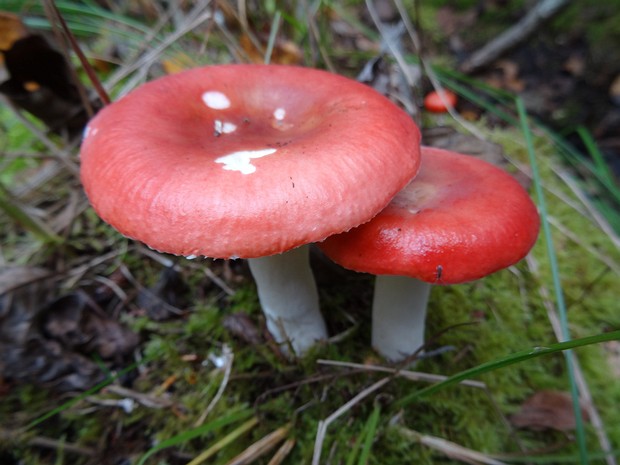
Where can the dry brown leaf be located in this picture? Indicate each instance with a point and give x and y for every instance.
(547, 410)
(284, 52)
(39, 82)
(505, 75)
(11, 29)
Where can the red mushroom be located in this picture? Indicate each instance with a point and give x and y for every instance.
(439, 101)
(249, 161)
(460, 219)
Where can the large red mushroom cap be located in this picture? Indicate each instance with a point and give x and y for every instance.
(246, 160)
(460, 219)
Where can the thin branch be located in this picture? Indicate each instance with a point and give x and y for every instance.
(517, 33)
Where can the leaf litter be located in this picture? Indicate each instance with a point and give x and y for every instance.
(547, 410)
(51, 340)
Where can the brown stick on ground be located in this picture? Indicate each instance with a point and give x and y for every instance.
(542, 12)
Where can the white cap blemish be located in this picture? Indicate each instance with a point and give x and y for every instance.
(241, 161)
(215, 100)
(88, 131)
(224, 128)
(279, 114)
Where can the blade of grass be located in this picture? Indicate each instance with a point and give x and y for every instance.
(261, 447)
(323, 424)
(364, 441)
(225, 441)
(282, 452)
(600, 165)
(356, 449)
(39, 229)
(512, 359)
(369, 432)
(555, 272)
(448, 448)
(188, 435)
(275, 25)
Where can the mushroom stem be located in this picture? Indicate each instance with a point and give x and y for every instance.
(398, 315)
(288, 295)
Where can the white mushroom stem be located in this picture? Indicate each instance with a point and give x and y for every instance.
(288, 295)
(398, 315)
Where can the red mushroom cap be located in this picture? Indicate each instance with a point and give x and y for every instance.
(246, 160)
(434, 103)
(460, 219)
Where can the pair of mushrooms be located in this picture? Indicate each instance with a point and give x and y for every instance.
(257, 162)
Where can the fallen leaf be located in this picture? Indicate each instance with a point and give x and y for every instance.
(48, 341)
(505, 75)
(547, 410)
(11, 29)
(284, 52)
(79, 325)
(40, 83)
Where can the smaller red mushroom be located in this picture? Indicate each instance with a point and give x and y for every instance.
(435, 102)
(460, 219)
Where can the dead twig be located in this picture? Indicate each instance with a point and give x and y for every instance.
(260, 447)
(48, 443)
(226, 364)
(520, 31)
(448, 448)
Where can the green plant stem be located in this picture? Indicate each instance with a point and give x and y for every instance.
(512, 359)
(555, 272)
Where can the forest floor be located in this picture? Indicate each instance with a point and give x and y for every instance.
(115, 354)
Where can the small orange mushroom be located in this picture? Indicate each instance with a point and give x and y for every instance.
(434, 103)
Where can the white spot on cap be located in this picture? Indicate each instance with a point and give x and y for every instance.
(88, 131)
(242, 161)
(215, 100)
(279, 114)
(224, 128)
